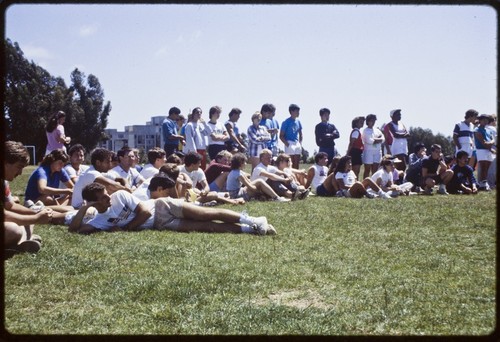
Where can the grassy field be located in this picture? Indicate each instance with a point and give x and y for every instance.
(416, 265)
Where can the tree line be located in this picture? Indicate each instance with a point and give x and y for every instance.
(32, 95)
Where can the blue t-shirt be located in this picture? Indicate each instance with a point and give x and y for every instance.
(169, 128)
(486, 133)
(291, 128)
(233, 183)
(43, 172)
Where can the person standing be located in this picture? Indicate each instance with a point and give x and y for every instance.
(268, 111)
(484, 146)
(56, 138)
(216, 133)
(399, 147)
(463, 135)
(355, 148)
(195, 141)
(325, 134)
(235, 143)
(258, 137)
(171, 138)
(373, 139)
(291, 135)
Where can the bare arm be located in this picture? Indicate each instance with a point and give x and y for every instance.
(142, 214)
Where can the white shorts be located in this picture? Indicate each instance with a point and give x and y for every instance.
(399, 146)
(294, 147)
(484, 155)
(372, 156)
(168, 213)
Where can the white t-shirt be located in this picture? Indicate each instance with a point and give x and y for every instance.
(349, 178)
(121, 212)
(85, 178)
(369, 135)
(132, 175)
(73, 173)
(382, 173)
(149, 171)
(320, 174)
(256, 173)
(142, 191)
(197, 176)
(214, 128)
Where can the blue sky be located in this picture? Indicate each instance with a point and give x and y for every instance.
(433, 62)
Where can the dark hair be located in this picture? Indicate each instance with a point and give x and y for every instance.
(192, 158)
(196, 109)
(461, 153)
(16, 152)
(324, 111)
(293, 107)
(319, 156)
(99, 154)
(267, 107)
(162, 180)
(354, 122)
(76, 148)
(470, 113)
(342, 164)
(448, 159)
(333, 164)
(174, 110)
(371, 117)
(54, 155)
(213, 110)
(90, 191)
(234, 111)
(171, 170)
(52, 124)
(174, 158)
(237, 160)
(155, 153)
(418, 146)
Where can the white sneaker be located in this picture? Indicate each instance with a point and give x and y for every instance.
(260, 225)
(442, 191)
(296, 195)
(271, 230)
(304, 194)
(281, 199)
(369, 195)
(384, 195)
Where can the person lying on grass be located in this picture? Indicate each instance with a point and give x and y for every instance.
(123, 212)
(348, 184)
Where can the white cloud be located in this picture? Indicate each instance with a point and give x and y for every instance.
(87, 30)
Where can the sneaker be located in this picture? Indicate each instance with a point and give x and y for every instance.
(271, 230)
(209, 204)
(304, 194)
(296, 195)
(384, 195)
(418, 189)
(260, 225)
(369, 195)
(29, 246)
(36, 237)
(442, 191)
(281, 199)
(339, 193)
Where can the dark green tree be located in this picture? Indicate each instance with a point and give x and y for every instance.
(32, 95)
(425, 136)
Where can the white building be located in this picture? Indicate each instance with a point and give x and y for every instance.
(142, 137)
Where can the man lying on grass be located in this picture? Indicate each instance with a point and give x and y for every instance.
(123, 212)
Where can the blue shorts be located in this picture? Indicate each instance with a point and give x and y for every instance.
(321, 191)
(213, 187)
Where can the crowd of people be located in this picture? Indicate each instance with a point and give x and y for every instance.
(203, 164)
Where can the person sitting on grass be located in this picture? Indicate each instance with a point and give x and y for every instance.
(284, 164)
(239, 185)
(127, 159)
(100, 158)
(19, 221)
(123, 212)
(414, 170)
(277, 179)
(217, 171)
(317, 173)
(156, 158)
(350, 187)
(435, 171)
(463, 180)
(383, 177)
(75, 166)
(43, 184)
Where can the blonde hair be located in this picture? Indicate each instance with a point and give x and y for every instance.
(264, 152)
(257, 115)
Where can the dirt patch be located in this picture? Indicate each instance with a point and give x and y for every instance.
(296, 299)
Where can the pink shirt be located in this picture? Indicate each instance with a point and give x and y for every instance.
(52, 143)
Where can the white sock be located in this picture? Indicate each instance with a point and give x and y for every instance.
(381, 192)
(245, 219)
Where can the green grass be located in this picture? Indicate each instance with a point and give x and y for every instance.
(410, 266)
